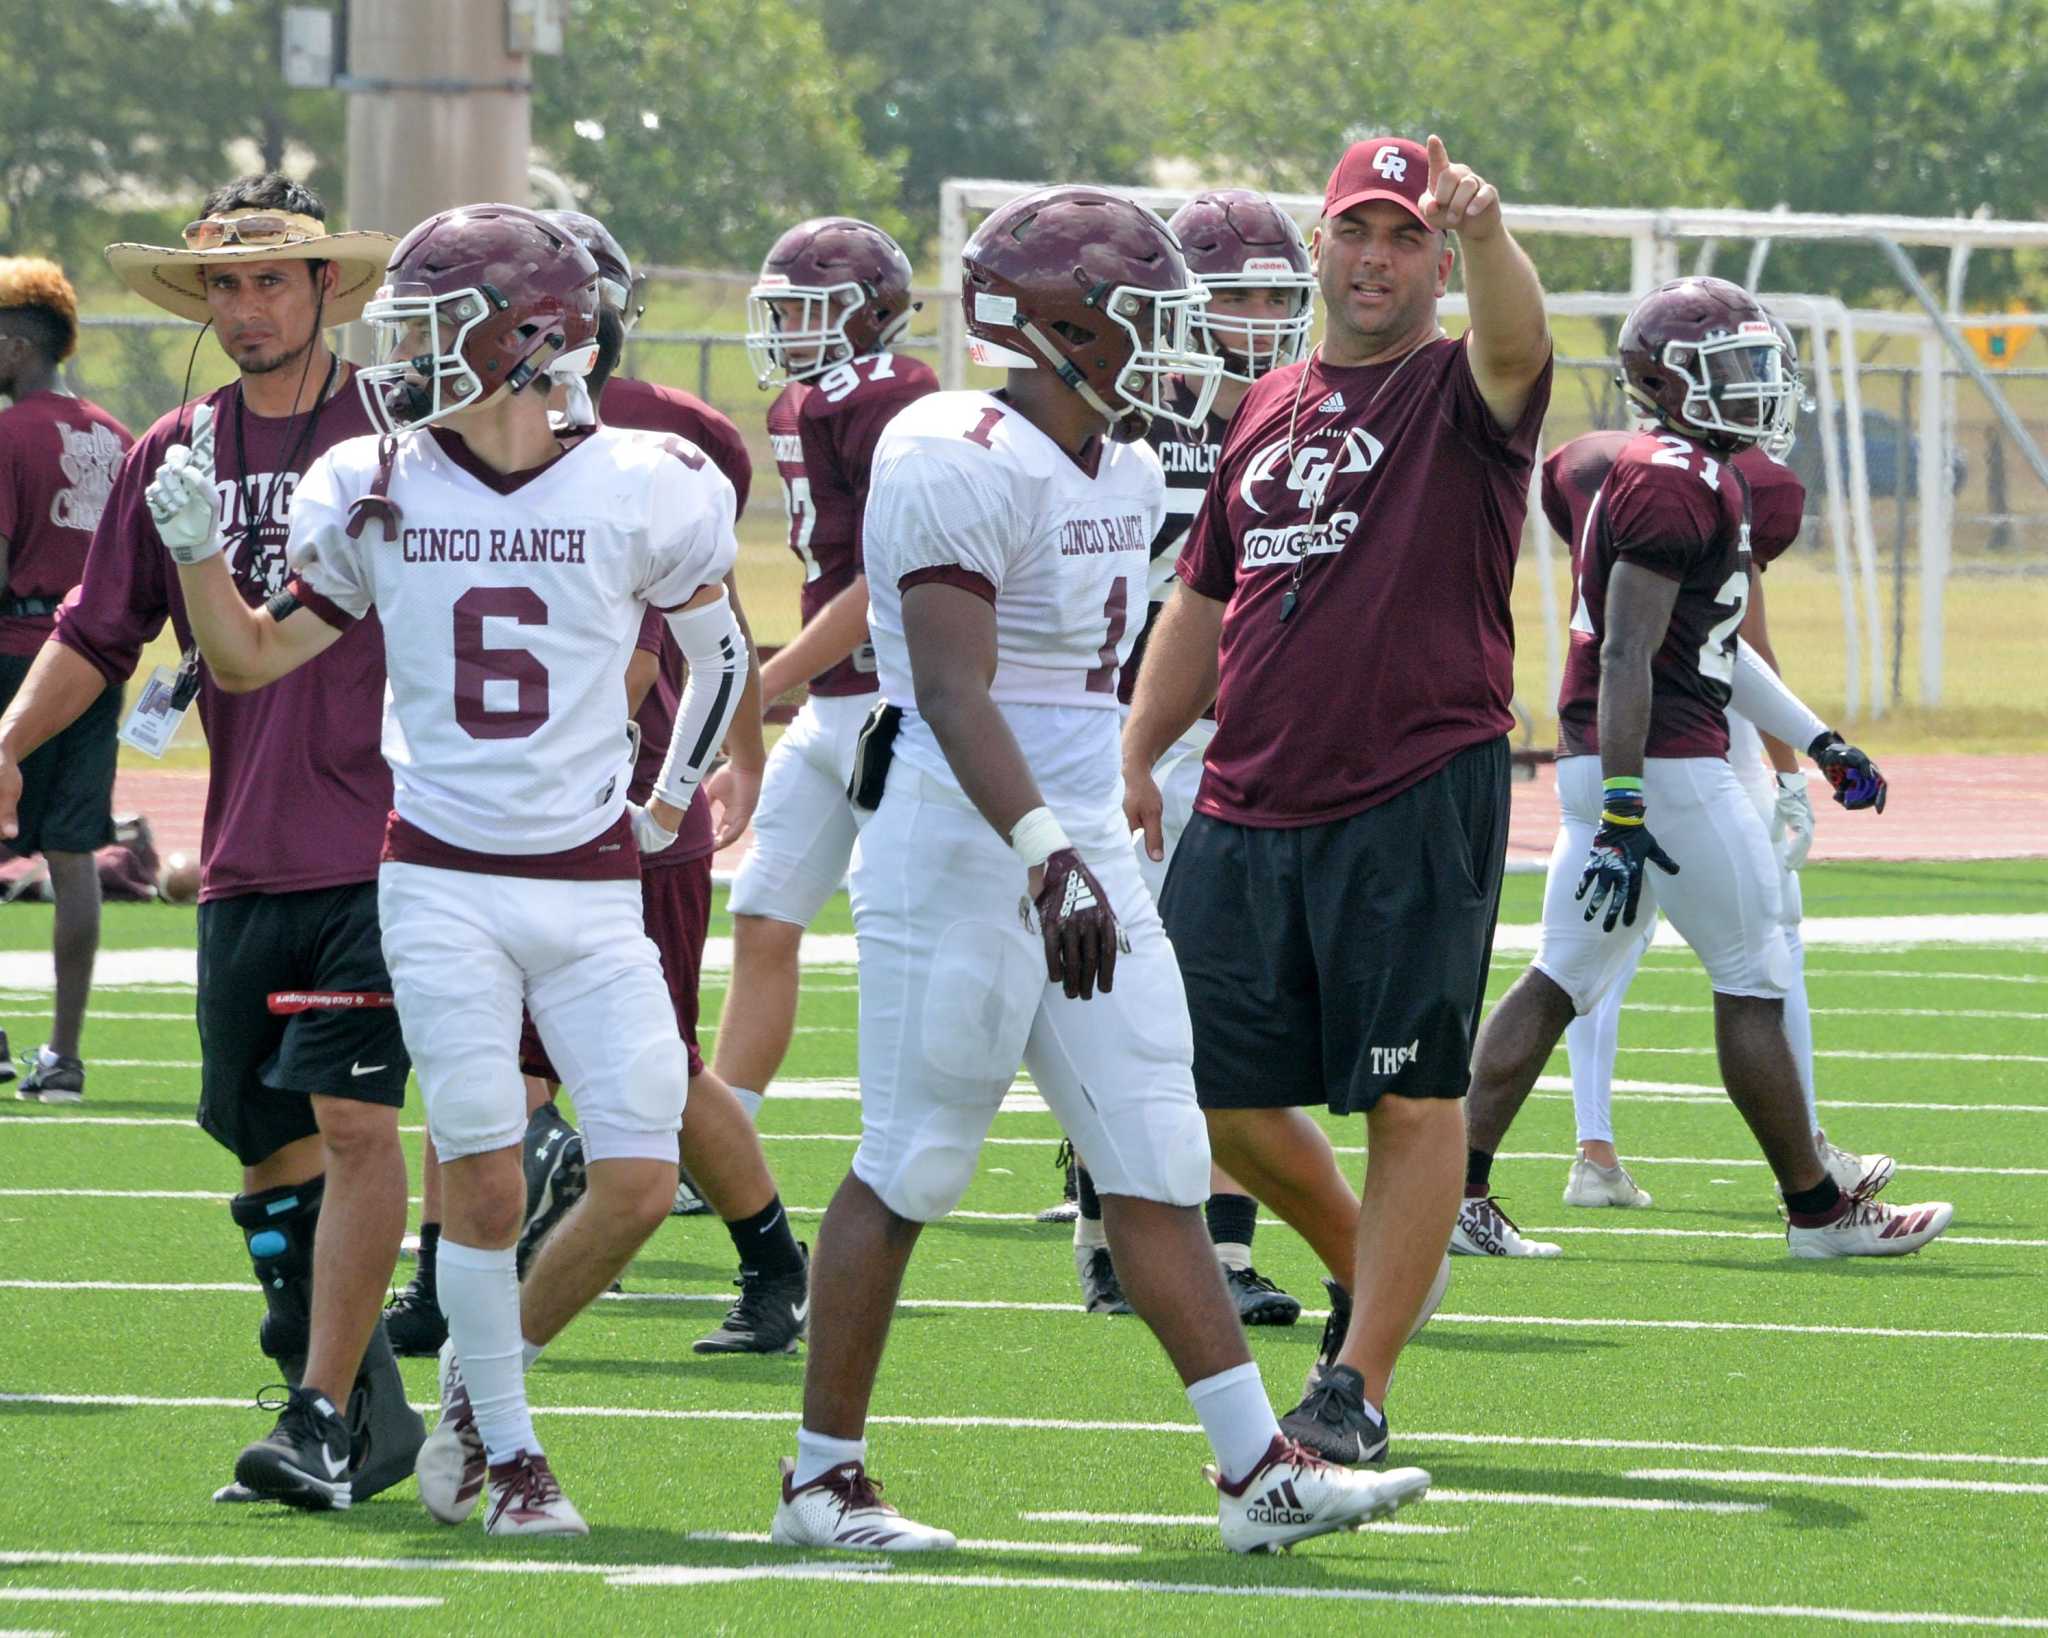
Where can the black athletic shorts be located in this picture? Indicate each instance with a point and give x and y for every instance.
(67, 784)
(259, 1069)
(1333, 963)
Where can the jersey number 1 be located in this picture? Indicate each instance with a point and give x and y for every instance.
(476, 665)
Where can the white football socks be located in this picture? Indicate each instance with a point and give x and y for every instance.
(1237, 1417)
(749, 1101)
(819, 1453)
(479, 1292)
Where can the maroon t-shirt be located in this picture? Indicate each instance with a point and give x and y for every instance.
(298, 790)
(824, 433)
(58, 456)
(1408, 501)
(643, 406)
(1573, 474)
(1675, 508)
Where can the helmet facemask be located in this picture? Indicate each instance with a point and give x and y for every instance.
(1723, 374)
(786, 346)
(1252, 347)
(419, 374)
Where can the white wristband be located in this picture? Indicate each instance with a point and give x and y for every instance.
(1037, 837)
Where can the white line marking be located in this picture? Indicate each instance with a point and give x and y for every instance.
(990, 1306)
(1078, 1549)
(1917, 974)
(1739, 1234)
(1030, 1424)
(285, 1601)
(211, 1197)
(1868, 932)
(1759, 1161)
(1859, 1012)
(885, 1576)
(1861, 1056)
(1391, 1527)
(1852, 1481)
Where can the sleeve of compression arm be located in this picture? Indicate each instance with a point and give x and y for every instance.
(1760, 694)
(711, 641)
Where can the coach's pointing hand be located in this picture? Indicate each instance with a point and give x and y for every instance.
(1459, 197)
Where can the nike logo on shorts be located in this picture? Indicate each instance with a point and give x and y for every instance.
(366, 1069)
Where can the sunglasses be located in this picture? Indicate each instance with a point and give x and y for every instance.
(210, 233)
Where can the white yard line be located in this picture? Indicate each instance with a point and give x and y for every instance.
(1040, 1424)
(1512, 1498)
(1857, 1055)
(1076, 1549)
(1992, 1013)
(1390, 1527)
(239, 1600)
(1847, 1481)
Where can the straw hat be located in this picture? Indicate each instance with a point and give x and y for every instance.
(170, 276)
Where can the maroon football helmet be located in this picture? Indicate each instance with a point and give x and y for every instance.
(831, 290)
(1235, 239)
(474, 299)
(1703, 357)
(1093, 286)
(618, 286)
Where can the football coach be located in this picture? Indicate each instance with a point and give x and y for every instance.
(1343, 599)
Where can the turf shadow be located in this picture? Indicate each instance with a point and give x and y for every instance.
(1800, 1508)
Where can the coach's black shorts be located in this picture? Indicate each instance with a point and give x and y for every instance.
(1336, 962)
(67, 784)
(259, 1069)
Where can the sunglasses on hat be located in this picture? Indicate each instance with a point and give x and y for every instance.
(212, 233)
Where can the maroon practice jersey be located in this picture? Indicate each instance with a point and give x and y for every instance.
(1401, 501)
(297, 790)
(643, 406)
(824, 431)
(1187, 456)
(1676, 508)
(58, 456)
(1575, 471)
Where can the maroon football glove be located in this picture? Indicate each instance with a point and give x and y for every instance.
(1081, 934)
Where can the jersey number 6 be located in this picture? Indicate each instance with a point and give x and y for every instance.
(477, 665)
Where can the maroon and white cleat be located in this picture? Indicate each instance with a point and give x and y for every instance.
(1294, 1495)
(1869, 1228)
(526, 1500)
(844, 1508)
(450, 1466)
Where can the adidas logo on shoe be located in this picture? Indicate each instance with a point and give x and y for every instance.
(1280, 1505)
(1332, 405)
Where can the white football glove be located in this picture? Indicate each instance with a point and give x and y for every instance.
(651, 835)
(1792, 820)
(181, 496)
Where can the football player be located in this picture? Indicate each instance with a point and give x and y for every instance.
(997, 902)
(1251, 258)
(510, 566)
(1663, 568)
(1777, 787)
(832, 300)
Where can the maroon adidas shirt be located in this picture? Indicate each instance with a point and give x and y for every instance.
(1408, 502)
(297, 791)
(824, 432)
(1676, 508)
(643, 406)
(58, 456)
(1574, 472)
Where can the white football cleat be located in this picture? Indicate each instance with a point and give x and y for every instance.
(450, 1466)
(1870, 1228)
(1591, 1185)
(1293, 1495)
(526, 1500)
(1860, 1177)
(1484, 1230)
(844, 1509)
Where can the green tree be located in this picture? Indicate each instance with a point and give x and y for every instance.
(699, 132)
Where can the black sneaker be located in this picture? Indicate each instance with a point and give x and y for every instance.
(1259, 1301)
(1069, 1207)
(770, 1315)
(305, 1461)
(53, 1079)
(552, 1157)
(1334, 1330)
(1101, 1290)
(1332, 1420)
(414, 1322)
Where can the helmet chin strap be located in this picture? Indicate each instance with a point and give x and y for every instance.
(1071, 375)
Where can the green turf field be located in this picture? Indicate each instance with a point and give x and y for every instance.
(1672, 1425)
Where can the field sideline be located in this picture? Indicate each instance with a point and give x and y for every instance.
(1672, 1421)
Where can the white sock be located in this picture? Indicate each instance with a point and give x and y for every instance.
(529, 1352)
(1232, 1255)
(749, 1101)
(1237, 1417)
(819, 1453)
(479, 1292)
(1089, 1232)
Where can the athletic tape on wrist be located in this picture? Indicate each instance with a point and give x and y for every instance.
(1037, 837)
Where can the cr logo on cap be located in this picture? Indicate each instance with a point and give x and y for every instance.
(1391, 163)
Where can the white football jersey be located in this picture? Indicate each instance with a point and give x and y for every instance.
(963, 483)
(509, 619)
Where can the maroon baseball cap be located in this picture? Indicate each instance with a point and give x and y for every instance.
(1380, 168)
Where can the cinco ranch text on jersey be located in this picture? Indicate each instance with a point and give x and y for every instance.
(1093, 537)
(492, 545)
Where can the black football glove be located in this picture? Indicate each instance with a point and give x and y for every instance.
(1854, 776)
(1614, 867)
(1081, 932)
